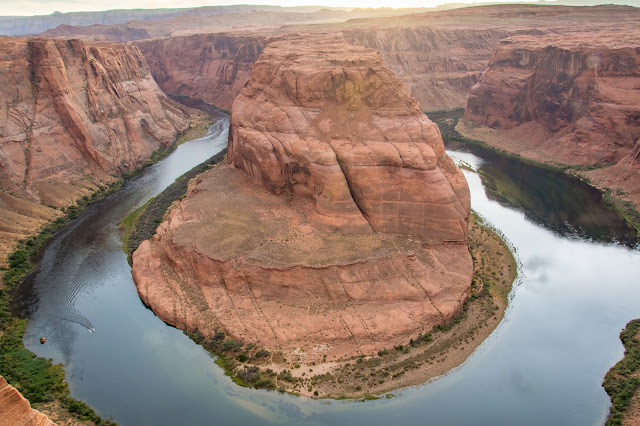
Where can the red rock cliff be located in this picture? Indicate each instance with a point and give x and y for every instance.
(574, 98)
(15, 409)
(210, 67)
(347, 252)
(584, 91)
(438, 65)
(76, 113)
(346, 133)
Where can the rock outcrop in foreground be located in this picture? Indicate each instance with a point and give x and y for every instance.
(360, 241)
(15, 409)
(74, 115)
(567, 99)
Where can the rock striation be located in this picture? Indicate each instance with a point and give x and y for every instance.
(15, 409)
(209, 67)
(438, 55)
(571, 99)
(347, 134)
(438, 65)
(75, 115)
(359, 241)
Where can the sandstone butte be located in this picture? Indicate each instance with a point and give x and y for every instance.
(339, 226)
(75, 114)
(571, 99)
(15, 409)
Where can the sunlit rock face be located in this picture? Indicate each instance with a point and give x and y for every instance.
(328, 121)
(16, 409)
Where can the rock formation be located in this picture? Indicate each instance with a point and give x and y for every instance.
(15, 409)
(439, 56)
(571, 99)
(75, 114)
(360, 241)
(347, 134)
(209, 67)
(438, 65)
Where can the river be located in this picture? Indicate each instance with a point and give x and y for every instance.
(543, 365)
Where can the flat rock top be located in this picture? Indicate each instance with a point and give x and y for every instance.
(226, 217)
(322, 71)
(580, 41)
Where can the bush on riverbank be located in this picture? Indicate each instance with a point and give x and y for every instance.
(141, 224)
(37, 378)
(621, 382)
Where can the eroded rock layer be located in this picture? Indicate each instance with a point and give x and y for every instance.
(335, 125)
(76, 114)
(210, 67)
(438, 55)
(15, 409)
(569, 99)
(359, 242)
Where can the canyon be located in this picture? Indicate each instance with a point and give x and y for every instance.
(359, 236)
(438, 55)
(358, 243)
(567, 100)
(76, 115)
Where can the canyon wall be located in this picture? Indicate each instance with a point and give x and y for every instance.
(571, 99)
(209, 67)
(438, 55)
(359, 242)
(75, 115)
(15, 409)
(347, 134)
(438, 65)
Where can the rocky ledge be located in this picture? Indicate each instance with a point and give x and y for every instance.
(359, 241)
(75, 114)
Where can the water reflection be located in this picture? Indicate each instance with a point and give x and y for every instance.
(543, 365)
(551, 199)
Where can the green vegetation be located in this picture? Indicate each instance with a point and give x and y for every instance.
(625, 208)
(449, 133)
(495, 270)
(444, 113)
(37, 378)
(142, 223)
(197, 129)
(128, 223)
(232, 354)
(623, 380)
(156, 156)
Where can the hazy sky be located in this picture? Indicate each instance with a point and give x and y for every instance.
(45, 7)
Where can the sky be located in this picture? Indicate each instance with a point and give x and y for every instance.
(45, 7)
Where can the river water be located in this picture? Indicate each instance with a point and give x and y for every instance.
(544, 363)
